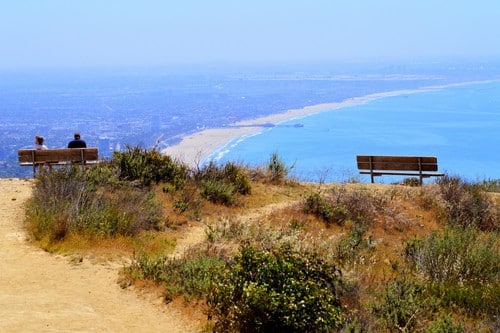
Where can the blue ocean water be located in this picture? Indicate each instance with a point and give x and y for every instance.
(458, 124)
(157, 107)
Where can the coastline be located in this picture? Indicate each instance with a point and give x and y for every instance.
(197, 147)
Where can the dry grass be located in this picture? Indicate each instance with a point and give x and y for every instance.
(407, 212)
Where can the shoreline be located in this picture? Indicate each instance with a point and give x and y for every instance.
(194, 148)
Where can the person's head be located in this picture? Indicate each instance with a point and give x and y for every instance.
(39, 140)
(77, 136)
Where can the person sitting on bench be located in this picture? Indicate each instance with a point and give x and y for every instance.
(77, 142)
(39, 142)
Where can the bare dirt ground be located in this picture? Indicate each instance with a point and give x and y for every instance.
(41, 292)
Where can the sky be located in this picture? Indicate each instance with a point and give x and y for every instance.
(94, 33)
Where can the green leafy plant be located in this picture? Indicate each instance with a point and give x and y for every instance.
(277, 168)
(400, 304)
(149, 166)
(445, 325)
(191, 275)
(278, 290)
(222, 183)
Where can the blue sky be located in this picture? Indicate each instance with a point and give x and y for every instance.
(83, 33)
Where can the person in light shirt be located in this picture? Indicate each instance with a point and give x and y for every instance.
(39, 142)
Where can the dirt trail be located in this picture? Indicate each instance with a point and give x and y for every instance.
(40, 292)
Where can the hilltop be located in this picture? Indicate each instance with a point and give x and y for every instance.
(83, 278)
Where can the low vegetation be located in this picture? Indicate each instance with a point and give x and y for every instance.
(285, 256)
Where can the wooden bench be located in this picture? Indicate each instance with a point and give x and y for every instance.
(417, 166)
(61, 156)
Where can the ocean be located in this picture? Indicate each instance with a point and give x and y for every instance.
(458, 124)
(156, 108)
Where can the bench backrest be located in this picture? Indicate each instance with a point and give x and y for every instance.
(57, 155)
(406, 163)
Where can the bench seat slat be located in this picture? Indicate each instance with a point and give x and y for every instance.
(399, 173)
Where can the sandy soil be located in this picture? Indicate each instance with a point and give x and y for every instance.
(41, 292)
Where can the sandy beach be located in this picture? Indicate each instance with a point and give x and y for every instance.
(194, 148)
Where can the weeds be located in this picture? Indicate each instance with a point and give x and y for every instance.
(445, 325)
(264, 276)
(467, 205)
(461, 268)
(341, 205)
(68, 201)
(400, 304)
(457, 256)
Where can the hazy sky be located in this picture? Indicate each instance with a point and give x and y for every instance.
(51, 33)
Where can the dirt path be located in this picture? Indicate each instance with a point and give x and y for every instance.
(40, 292)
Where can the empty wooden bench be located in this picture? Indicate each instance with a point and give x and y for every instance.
(416, 166)
(61, 156)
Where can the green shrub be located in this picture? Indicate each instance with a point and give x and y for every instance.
(319, 206)
(218, 191)
(412, 181)
(222, 183)
(456, 256)
(461, 267)
(278, 290)
(400, 304)
(69, 200)
(349, 246)
(444, 325)
(341, 205)
(468, 205)
(191, 275)
(277, 169)
(149, 166)
(475, 299)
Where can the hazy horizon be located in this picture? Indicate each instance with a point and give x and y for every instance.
(124, 33)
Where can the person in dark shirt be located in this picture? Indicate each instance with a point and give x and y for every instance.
(77, 142)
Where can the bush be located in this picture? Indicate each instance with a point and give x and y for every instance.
(218, 191)
(221, 184)
(468, 205)
(277, 169)
(276, 291)
(69, 200)
(349, 246)
(148, 166)
(319, 206)
(491, 185)
(461, 267)
(456, 256)
(444, 325)
(191, 275)
(400, 304)
(341, 205)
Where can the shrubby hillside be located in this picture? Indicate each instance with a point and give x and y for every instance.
(280, 255)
